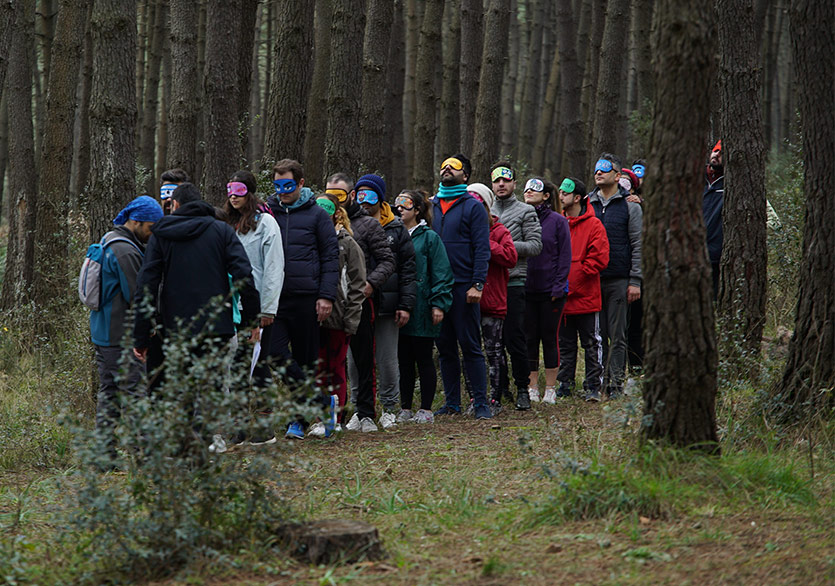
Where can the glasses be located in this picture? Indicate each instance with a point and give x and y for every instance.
(367, 196)
(603, 166)
(167, 190)
(283, 186)
(453, 164)
(535, 185)
(501, 173)
(236, 189)
(340, 194)
(404, 202)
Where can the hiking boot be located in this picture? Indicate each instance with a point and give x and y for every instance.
(367, 425)
(448, 410)
(294, 431)
(482, 412)
(564, 391)
(387, 420)
(424, 416)
(593, 396)
(533, 394)
(317, 430)
(550, 396)
(404, 416)
(523, 400)
(353, 423)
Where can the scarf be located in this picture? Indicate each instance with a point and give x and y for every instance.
(451, 191)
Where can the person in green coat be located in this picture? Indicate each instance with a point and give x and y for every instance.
(434, 279)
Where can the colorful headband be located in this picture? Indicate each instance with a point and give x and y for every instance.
(236, 188)
(535, 185)
(327, 205)
(567, 185)
(639, 171)
(283, 186)
(167, 190)
(603, 165)
(501, 173)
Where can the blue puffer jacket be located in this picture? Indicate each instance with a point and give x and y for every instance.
(311, 250)
(465, 232)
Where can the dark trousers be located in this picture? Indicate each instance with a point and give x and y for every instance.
(491, 333)
(416, 351)
(362, 350)
(542, 322)
(120, 374)
(461, 327)
(295, 337)
(587, 327)
(154, 360)
(613, 330)
(333, 350)
(513, 335)
(634, 343)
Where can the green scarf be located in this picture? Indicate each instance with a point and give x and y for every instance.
(452, 191)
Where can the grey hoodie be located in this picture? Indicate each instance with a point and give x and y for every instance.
(522, 222)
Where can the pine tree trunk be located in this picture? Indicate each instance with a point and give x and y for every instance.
(7, 20)
(256, 118)
(571, 122)
(547, 124)
(45, 20)
(4, 146)
(413, 23)
(150, 101)
(808, 385)
(184, 112)
(200, 147)
(344, 88)
(428, 58)
(249, 17)
(375, 135)
(82, 151)
(609, 118)
(770, 42)
(530, 92)
(23, 188)
(51, 236)
(317, 124)
(592, 73)
(395, 166)
(488, 106)
(144, 23)
(744, 266)
(681, 360)
(450, 123)
(471, 43)
(642, 14)
(164, 108)
(509, 84)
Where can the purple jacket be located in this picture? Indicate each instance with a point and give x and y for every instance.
(548, 271)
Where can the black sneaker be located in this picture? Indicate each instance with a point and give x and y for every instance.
(564, 391)
(495, 407)
(613, 393)
(593, 396)
(523, 400)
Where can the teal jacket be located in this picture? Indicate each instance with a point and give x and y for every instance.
(434, 279)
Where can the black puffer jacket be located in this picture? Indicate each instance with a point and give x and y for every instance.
(400, 290)
(379, 258)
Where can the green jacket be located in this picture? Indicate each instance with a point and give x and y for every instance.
(433, 276)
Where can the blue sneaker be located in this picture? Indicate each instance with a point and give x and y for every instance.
(482, 412)
(448, 410)
(295, 431)
(330, 419)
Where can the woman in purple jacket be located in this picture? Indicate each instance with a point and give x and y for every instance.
(546, 287)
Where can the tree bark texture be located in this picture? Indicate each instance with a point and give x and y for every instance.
(609, 117)
(7, 20)
(530, 94)
(488, 107)
(592, 72)
(150, 100)
(344, 89)
(450, 124)
(394, 165)
(413, 24)
(681, 359)
(428, 59)
(185, 97)
(642, 27)
(249, 16)
(375, 134)
(547, 124)
(82, 151)
(572, 125)
(162, 113)
(144, 23)
(223, 146)
(112, 113)
(809, 370)
(509, 83)
(317, 102)
(471, 46)
(51, 238)
(23, 186)
(744, 266)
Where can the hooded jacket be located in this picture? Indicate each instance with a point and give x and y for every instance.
(523, 224)
(311, 253)
(347, 308)
(399, 288)
(712, 202)
(433, 280)
(589, 256)
(369, 234)
(266, 256)
(193, 255)
(548, 271)
(503, 256)
(466, 235)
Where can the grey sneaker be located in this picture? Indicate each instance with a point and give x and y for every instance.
(387, 420)
(367, 425)
(404, 416)
(354, 423)
(317, 429)
(593, 396)
(424, 416)
(218, 445)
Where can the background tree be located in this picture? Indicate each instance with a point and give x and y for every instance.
(394, 166)
(7, 20)
(609, 117)
(530, 82)
(680, 384)
(375, 134)
(182, 117)
(809, 378)
(572, 124)
(469, 70)
(150, 100)
(449, 137)
(428, 58)
(317, 101)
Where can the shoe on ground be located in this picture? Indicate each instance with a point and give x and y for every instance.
(354, 423)
(424, 416)
(367, 425)
(506, 394)
(533, 394)
(564, 391)
(470, 409)
(218, 445)
(550, 396)
(593, 396)
(448, 410)
(266, 438)
(482, 412)
(523, 400)
(495, 407)
(337, 428)
(404, 416)
(613, 393)
(317, 430)
(294, 431)
(387, 420)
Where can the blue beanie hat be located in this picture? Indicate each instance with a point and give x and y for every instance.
(375, 182)
(142, 209)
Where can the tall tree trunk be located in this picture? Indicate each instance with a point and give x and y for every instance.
(545, 128)
(164, 108)
(471, 43)
(609, 118)
(184, 112)
(642, 17)
(112, 113)
(592, 74)
(530, 92)
(509, 84)
(249, 16)
(287, 114)
(144, 24)
(23, 180)
(429, 56)
(46, 16)
(82, 151)
(200, 147)
(256, 118)
(488, 106)
(7, 20)
(375, 135)
(395, 166)
(808, 384)
(744, 266)
(4, 146)
(770, 43)
(450, 124)
(317, 102)
(150, 100)
(51, 236)
(680, 383)
(571, 122)
(413, 23)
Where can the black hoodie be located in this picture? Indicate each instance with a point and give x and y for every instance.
(192, 254)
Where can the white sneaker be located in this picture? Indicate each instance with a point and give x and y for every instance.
(534, 394)
(387, 420)
(317, 429)
(337, 428)
(368, 425)
(354, 423)
(424, 416)
(404, 416)
(218, 445)
(550, 396)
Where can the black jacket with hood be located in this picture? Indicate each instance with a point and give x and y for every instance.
(369, 234)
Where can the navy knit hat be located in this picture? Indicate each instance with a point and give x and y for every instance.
(375, 183)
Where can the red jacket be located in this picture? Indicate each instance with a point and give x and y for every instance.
(589, 256)
(503, 256)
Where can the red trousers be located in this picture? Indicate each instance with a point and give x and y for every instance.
(333, 350)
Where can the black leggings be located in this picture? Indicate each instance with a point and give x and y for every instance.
(542, 325)
(413, 350)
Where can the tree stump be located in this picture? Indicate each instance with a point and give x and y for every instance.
(331, 541)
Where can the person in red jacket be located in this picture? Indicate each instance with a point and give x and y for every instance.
(589, 256)
(503, 257)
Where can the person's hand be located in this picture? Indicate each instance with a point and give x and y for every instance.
(141, 354)
(633, 293)
(266, 321)
(401, 317)
(369, 290)
(437, 316)
(634, 198)
(323, 309)
(255, 335)
(473, 295)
